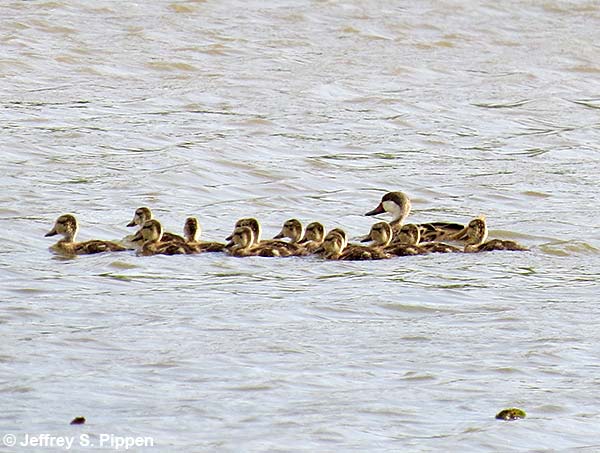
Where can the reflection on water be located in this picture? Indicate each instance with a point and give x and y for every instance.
(310, 110)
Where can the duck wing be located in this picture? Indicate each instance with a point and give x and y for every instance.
(97, 246)
(499, 244)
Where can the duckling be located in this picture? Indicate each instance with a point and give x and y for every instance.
(327, 249)
(342, 234)
(192, 230)
(151, 236)
(283, 248)
(439, 247)
(476, 233)
(313, 237)
(66, 225)
(408, 234)
(243, 244)
(408, 241)
(381, 234)
(411, 233)
(331, 247)
(398, 204)
(292, 229)
(336, 247)
(140, 216)
(354, 252)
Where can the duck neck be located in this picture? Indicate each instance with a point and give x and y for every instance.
(256, 233)
(478, 236)
(399, 212)
(191, 235)
(296, 236)
(69, 236)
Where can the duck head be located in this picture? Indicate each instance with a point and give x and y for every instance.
(291, 229)
(191, 229)
(65, 225)
(381, 234)
(315, 232)
(140, 216)
(242, 237)
(395, 203)
(151, 231)
(251, 223)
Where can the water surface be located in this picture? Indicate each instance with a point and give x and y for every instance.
(312, 110)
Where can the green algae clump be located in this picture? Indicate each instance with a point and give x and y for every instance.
(511, 414)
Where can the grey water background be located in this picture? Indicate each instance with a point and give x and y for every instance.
(307, 109)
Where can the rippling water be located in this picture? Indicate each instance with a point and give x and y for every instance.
(313, 110)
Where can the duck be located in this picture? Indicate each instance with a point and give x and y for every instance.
(398, 204)
(475, 235)
(151, 236)
(342, 234)
(439, 247)
(283, 248)
(192, 231)
(408, 241)
(308, 242)
(326, 248)
(67, 226)
(313, 237)
(411, 234)
(332, 247)
(354, 252)
(140, 216)
(243, 244)
(335, 247)
(381, 235)
(292, 229)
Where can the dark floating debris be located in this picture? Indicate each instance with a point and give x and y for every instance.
(511, 414)
(78, 421)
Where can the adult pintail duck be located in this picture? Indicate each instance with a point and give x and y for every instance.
(475, 235)
(243, 244)
(151, 237)
(398, 205)
(283, 248)
(192, 232)
(313, 237)
(140, 216)
(66, 225)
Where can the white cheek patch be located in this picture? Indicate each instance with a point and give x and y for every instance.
(391, 207)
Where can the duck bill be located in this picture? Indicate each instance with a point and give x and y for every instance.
(52, 232)
(378, 210)
(366, 238)
(279, 236)
(131, 224)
